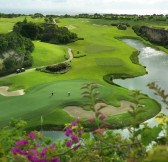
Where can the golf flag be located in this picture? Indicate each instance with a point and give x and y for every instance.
(41, 119)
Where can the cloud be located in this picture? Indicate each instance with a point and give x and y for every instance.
(91, 6)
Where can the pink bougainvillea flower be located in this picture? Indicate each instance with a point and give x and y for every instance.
(102, 117)
(91, 120)
(75, 148)
(52, 147)
(42, 154)
(55, 160)
(16, 150)
(33, 152)
(44, 149)
(32, 135)
(69, 143)
(99, 113)
(34, 159)
(22, 142)
(68, 132)
(78, 120)
(73, 123)
(74, 138)
(80, 132)
(37, 146)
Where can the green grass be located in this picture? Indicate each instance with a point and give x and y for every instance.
(98, 49)
(6, 24)
(47, 54)
(38, 102)
(104, 55)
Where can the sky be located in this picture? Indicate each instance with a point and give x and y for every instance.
(85, 6)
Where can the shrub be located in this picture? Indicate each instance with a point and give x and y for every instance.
(57, 67)
(122, 27)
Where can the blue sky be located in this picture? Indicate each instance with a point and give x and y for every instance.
(87, 6)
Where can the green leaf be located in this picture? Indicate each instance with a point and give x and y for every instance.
(150, 134)
(86, 136)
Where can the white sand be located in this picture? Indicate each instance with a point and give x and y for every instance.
(70, 27)
(108, 110)
(4, 91)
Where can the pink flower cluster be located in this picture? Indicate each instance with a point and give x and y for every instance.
(34, 153)
(74, 131)
(99, 116)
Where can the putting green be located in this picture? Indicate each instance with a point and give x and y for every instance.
(39, 101)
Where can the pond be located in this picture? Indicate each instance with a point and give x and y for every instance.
(54, 135)
(156, 63)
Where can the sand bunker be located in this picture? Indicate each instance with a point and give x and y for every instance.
(4, 91)
(85, 21)
(96, 25)
(108, 110)
(70, 27)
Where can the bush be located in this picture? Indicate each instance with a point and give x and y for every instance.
(60, 68)
(122, 27)
(57, 67)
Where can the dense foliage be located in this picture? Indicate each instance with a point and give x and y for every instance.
(121, 26)
(12, 15)
(15, 51)
(37, 15)
(50, 33)
(57, 67)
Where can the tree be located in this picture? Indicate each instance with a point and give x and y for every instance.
(30, 30)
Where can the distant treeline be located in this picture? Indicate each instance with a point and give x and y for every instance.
(135, 17)
(12, 15)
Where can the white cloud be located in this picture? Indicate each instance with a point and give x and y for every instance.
(102, 6)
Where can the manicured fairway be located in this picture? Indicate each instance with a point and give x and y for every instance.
(6, 24)
(47, 54)
(104, 55)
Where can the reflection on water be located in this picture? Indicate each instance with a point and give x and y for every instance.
(54, 135)
(156, 63)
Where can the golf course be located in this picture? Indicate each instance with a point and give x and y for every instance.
(57, 97)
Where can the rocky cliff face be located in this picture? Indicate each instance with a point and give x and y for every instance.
(155, 35)
(158, 36)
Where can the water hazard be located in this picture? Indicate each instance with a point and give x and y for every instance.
(156, 63)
